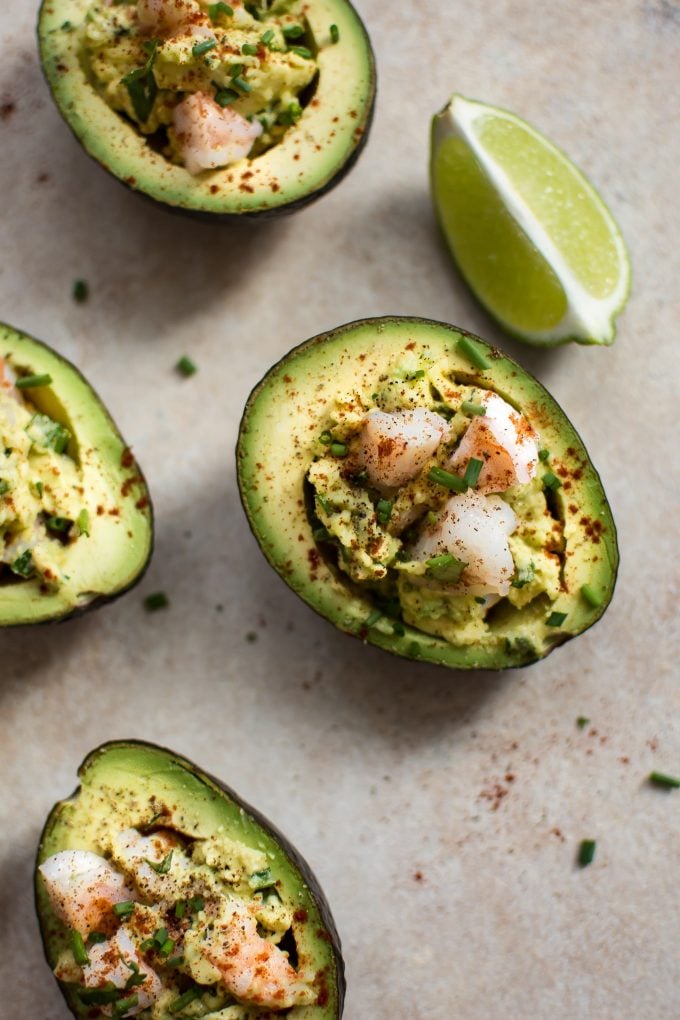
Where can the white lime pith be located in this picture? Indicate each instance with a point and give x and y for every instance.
(530, 234)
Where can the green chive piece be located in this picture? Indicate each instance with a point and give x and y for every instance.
(339, 449)
(78, 948)
(4, 486)
(445, 478)
(157, 600)
(472, 352)
(383, 511)
(174, 961)
(480, 600)
(326, 438)
(469, 407)
(147, 945)
(301, 51)
(249, 50)
(83, 523)
(180, 909)
(198, 49)
(123, 909)
(225, 97)
(179, 1004)
(23, 565)
(99, 996)
(166, 948)
(186, 367)
(214, 11)
(81, 291)
(324, 503)
(373, 619)
(335, 34)
(544, 455)
(135, 979)
(162, 867)
(431, 518)
(39, 489)
(582, 721)
(242, 84)
(47, 433)
(555, 619)
(95, 937)
(293, 31)
(124, 1005)
(586, 852)
(58, 523)
(551, 481)
(445, 568)
(472, 471)
(524, 575)
(261, 879)
(268, 37)
(659, 779)
(196, 903)
(31, 382)
(141, 83)
(160, 936)
(591, 596)
(290, 115)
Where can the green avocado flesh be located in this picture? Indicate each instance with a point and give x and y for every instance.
(75, 516)
(347, 548)
(302, 69)
(224, 857)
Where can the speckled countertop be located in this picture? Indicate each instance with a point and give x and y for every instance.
(454, 885)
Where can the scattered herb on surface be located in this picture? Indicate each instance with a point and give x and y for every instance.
(156, 600)
(660, 779)
(586, 852)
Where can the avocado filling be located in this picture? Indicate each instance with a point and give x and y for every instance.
(435, 496)
(162, 923)
(42, 506)
(207, 83)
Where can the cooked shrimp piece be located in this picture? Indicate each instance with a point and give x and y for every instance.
(253, 970)
(133, 852)
(474, 529)
(83, 888)
(7, 380)
(504, 440)
(210, 136)
(168, 16)
(116, 960)
(396, 446)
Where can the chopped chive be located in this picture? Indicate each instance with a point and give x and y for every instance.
(586, 852)
(184, 1000)
(99, 996)
(261, 879)
(196, 903)
(591, 596)
(198, 49)
(161, 867)
(551, 481)
(160, 937)
(23, 565)
(166, 948)
(398, 628)
(480, 600)
(186, 367)
(324, 503)
(147, 945)
(383, 511)
(544, 455)
(124, 1005)
(431, 518)
(180, 909)
(473, 352)
(135, 979)
(293, 31)
(414, 376)
(472, 471)
(445, 478)
(290, 115)
(4, 486)
(242, 84)
(445, 568)
(469, 407)
(524, 575)
(249, 50)
(123, 909)
(81, 291)
(555, 619)
(96, 937)
(373, 619)
(30, 382)
(214, 11)
(157, 600)
(339, 449)
(659, 779)
(335, 33)
(78, 948)
(39, 489)
(301, 51)
(83, 523)
(58, 523)
(268, 37)
(326, 438)
(582, 721)
(174, 961)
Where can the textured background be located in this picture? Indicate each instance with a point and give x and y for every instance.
(452, 899)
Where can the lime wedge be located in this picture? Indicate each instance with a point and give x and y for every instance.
(530, 234)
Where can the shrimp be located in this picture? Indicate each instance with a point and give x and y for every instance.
(169, 16)
(474, 529)
(83, 888)
(137, 853)
(210, 136)
(252, 969)
(504, 440)
(7, 380)
(116, 960)
(395, 447)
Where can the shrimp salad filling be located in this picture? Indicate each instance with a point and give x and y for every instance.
(162, 925)
(42, 507)
(434, 496)
(207, 83)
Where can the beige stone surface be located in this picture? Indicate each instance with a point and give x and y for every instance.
(450, 903)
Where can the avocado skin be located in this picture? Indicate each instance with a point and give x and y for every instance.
(363, 635)
(231, 216)
(102, 598)
(329, 928)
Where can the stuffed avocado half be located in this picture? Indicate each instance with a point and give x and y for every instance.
(75, 517)
(160, 894)
(423, 492)
(224, 109)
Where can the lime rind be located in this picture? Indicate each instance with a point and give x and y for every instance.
(587, 319)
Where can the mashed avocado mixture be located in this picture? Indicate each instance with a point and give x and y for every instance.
(372, 531)
(42, 508)
(255, 59)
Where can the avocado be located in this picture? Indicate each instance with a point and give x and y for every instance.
(225, 853)
(350, 550)
(304, 73)
(75, 515)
